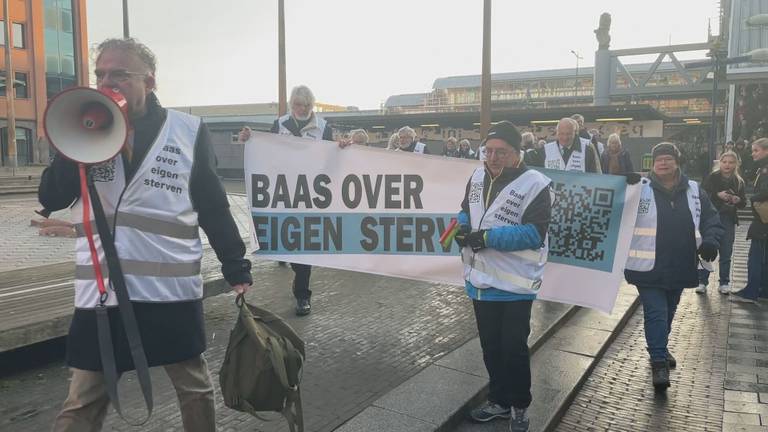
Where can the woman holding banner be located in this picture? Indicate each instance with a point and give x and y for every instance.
(676, 229)
(503, 224)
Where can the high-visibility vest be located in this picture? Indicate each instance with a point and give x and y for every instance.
(642, 249)
(553, 158)
(155, 225)
(314, 129)
(513, 271)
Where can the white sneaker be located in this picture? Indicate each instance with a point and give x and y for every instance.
(724, 289)
(702, 289)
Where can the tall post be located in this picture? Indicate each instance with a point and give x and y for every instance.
(485, 93)
(713, 126)
(282, 100)
(126, 29)
(9, 88)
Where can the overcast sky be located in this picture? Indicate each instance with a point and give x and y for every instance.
(359, 52)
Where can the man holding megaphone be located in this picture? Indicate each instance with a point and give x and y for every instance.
(157, 187)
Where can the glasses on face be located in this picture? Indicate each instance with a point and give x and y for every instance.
(118, 75)
(500, 153)
(665, 159)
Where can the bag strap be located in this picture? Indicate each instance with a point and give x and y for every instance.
(117, 280)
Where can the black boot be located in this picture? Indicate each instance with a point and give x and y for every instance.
(660, 375)
(303, 307)
(671, 360)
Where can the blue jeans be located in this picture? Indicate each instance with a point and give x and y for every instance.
(725, 252)
(659, 306)
(757, 273)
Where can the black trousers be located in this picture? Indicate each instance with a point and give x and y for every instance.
(504, 327)
(301, 281)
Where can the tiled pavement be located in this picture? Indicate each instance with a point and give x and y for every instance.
(721, 381)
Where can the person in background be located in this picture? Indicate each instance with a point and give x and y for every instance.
(394, 142)
(528, 141)
(676, 228)
(465, 150)
(568, 152)
(595, 138)
(757, 263)
(359, 137)
(408, 142)
(451, 148)
(500, 276)
(616, 159)
(725, 188)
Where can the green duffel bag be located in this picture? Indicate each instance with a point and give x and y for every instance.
(263, 365)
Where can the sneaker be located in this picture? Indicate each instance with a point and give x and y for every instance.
(671, 361)
(489, 411)
(303, 307)
(660, 375)
(519, 421)
(724, 289)
(702, 289)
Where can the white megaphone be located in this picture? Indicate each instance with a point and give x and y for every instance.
(86, 125)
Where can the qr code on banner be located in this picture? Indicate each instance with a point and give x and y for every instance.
(581, 230)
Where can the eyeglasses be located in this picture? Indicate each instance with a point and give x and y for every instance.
(500, 153)
(118, 75)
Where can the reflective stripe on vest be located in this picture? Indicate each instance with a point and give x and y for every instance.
(515, 271)
(155, 225)
(553, 158)
(642, 249)
(313, 130)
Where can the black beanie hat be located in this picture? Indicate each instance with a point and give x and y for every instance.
(666, 148)
(505, 131)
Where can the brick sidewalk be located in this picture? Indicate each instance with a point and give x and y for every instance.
(721, 381)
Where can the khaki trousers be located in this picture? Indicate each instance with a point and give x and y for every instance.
(86, 404)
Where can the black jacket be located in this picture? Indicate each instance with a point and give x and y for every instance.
(412, 147)
(759, 230)
(715, 183)
(295, 128)
(677, 258)
(171, 332)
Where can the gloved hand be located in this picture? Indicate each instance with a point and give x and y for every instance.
(708, 251)
(632, 178)
(476, 240)
(461, 236)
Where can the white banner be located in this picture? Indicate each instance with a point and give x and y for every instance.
(382, 212)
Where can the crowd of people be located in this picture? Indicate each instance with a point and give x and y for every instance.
(680, 229)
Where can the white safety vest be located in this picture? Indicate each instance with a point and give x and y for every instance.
(481, 155)
(642, 249)
(553, 158)
(314, 129)
(419, 147)
(155, 225)
(518, 272)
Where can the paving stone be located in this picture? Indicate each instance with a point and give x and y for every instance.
(373, 418)
(740, 396)
(730, 427)
(741, 419)
(747, 407)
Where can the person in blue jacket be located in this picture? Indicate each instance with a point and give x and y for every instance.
(503, 221)
(676, 232)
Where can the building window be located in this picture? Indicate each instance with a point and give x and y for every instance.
(19, 35)
(20, 84)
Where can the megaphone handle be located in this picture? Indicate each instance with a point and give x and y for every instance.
(89, 232)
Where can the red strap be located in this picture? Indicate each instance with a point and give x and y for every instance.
(89, 230)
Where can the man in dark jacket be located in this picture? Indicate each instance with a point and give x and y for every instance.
(166, 296)
(757, 263)
(301, 122)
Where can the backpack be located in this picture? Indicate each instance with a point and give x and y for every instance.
(263, 365)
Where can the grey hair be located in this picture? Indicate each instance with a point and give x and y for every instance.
(394, 141)
(302, 94)
(528, 140)
(614, 137)
(570, 121)
(762, 143)
(130, 45)
(578, 118)
(407, 130)
(465, 141)
(359, 133)
(452, 139)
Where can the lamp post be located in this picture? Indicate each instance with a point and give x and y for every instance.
(719, 60)
(126, 29)
(10, 89)
(282, 103)
(578, 57)
(485, 89)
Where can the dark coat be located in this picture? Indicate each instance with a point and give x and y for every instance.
(716, 183)
(759, 230)
(677, 258)
(625, 162)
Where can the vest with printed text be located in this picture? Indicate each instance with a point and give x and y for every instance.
(553, 158)
(313, 130)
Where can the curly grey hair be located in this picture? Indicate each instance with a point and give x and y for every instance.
(128, 45)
